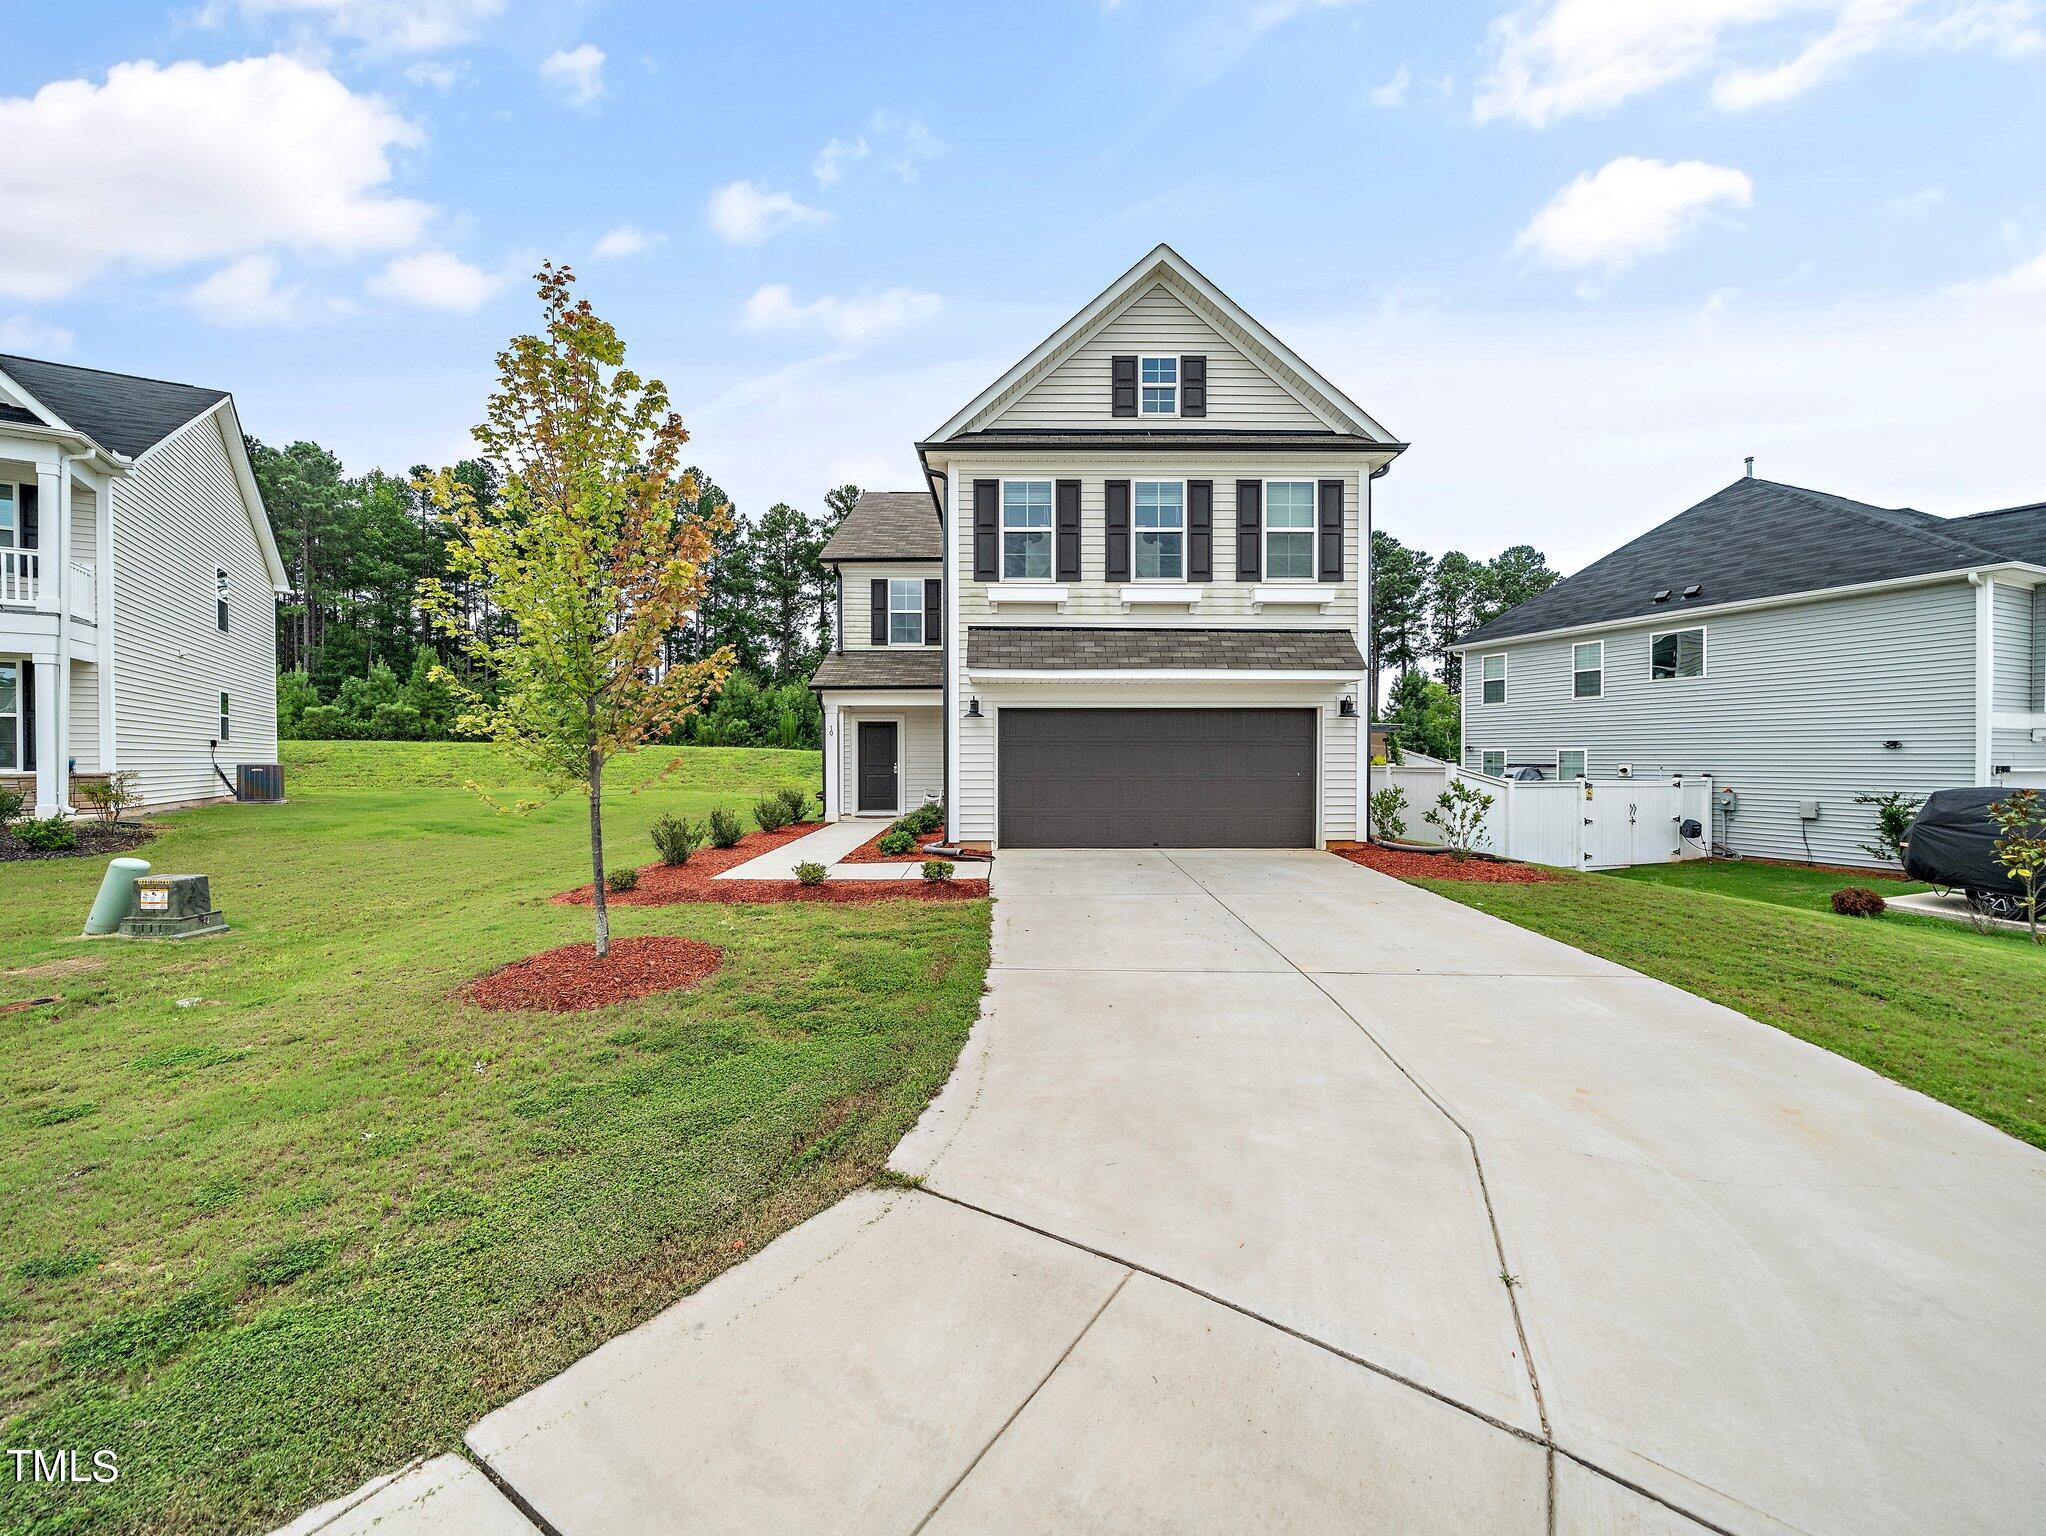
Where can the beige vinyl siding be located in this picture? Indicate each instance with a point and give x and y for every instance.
(921, 772)
(856, 582)
(1093, 600)
(177, 518)
(1796, 703)
(84, 524)
(1338, 773)
(84, 731)
(1159, 321)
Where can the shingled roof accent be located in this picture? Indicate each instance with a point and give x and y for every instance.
(888, 525)
(116, 410)
(904, 667)
(1034, 648)
(1758, 539)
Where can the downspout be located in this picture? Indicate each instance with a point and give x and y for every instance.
(1985, 671)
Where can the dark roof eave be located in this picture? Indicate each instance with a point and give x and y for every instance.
(1168, 441)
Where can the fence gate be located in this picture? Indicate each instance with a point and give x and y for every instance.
(1630, 822)
(1568, 824)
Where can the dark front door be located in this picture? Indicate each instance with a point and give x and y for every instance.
(877, 765)
(1157, 778)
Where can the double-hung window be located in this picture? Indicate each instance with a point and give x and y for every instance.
(10, 716)
(1492, 680)
(905, 611)
(1289, 530)
(1026, 530)
(1493, 764)
(1158, 380)
(1588, 670)
(223, 717)
(220, 598)
(1570, 764)
(1158, 531)
(1678, 653)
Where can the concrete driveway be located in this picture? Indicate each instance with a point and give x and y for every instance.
(1274, 1195)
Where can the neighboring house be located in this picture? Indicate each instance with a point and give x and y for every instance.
(1127, 610)
(138, 587)
(1801, 648)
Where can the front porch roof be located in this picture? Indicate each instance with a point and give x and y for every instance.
(893, 667)
(1132, 648)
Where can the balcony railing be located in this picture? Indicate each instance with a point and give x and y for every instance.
(21, 577)
(84, 590)
(22, 584)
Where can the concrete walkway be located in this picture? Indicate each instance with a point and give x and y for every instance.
(1274, 1195)
(827, 845)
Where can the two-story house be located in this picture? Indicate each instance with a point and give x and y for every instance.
(1128, 608)
(138, 587)
(1801, 648)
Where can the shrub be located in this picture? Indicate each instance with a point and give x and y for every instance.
(771, 815)
(1857, 901)
(675, 838)
(809, 873)
(796, 802)
(926, 818)
(2020, 847)
(10, 806)
(47, 834)
(622, 880)
(725, 828)
(107, 798)
(937, 869)
(895, 842)
(1894, 811)
(1459, 815)
(1388, 813)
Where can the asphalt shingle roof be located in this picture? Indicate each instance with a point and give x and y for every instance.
(1757, 539)
(116, 410)
(888, 525)
(890, 667)
(1054, 648)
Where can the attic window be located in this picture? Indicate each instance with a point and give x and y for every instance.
(1159, 377)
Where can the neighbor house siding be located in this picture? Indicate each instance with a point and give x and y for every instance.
(921, 748)
(1796, 704)
(2011, 643)
(1075, 393)
(177, 518)
(856, 583)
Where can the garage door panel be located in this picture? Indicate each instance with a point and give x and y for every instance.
(1157, 778)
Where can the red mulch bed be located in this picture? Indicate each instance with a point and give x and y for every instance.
(572, 978)
(662, 885)
(1439, 866)
(867, 853)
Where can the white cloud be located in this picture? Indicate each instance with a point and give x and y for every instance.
(246, 292)
(905, 141)
(774, 308)
(576, 74)
(625, 240)
(166, 165)
(2026, 277)
(435, 280)
(834, 157)
(1394, 92)
(438, 74)
(26, 334)
(1918, 204)
(1209, 41)
(1630, 208)
(1554, 59)
(745, 213)
(388, 26)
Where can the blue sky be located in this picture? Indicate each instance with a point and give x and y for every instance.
(1584, 254)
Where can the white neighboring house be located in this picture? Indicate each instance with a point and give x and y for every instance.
(138, 587)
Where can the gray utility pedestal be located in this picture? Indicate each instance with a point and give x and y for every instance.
(173, 907)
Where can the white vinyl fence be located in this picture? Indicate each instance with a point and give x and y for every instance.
(1570, 824)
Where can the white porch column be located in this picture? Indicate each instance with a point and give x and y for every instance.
(834, 757)
(53, 782)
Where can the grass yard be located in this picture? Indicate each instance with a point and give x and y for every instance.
(279, 1215)
(1930, 1003)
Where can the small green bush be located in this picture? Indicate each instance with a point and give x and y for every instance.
(46, 834)
(771, 815)
(895, 842)
(926, 818)
(809, 874)
(796, 802)
(10, 806)
(622, 879)
(1858, 901)
(725, 828)
(937, 869)
(675, 838)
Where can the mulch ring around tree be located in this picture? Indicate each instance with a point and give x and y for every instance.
(867, 853)
(1440, 866)
(572, 978)
(662, 885)
(96, 839)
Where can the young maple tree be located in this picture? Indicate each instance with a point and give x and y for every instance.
(2020, 848)
(591, 551)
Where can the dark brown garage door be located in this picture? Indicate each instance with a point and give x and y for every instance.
(1157, 778)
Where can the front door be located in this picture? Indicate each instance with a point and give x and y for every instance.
(878, 790)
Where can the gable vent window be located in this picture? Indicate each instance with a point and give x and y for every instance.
(1160, 380)
(1588, 670)
(1026, 530)
(1677, 653)
(905, 611)
(1492, 685)
(220, 598)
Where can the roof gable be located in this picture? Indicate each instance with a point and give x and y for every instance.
(888, 525)
(118, 411)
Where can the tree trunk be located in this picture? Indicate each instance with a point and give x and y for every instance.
(597, 852)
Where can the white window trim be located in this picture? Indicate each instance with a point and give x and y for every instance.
(1562, 752)
(1592, 698)
(1484, 761)
(1002, 532)
(1025, 592)
(20, 742)
(12, 529)
(220, 599)
(1704, 652)
(1158, 357)
(1505, 671)
(226, 716)
(909, 581)
(1312, 530)
(1185, 537)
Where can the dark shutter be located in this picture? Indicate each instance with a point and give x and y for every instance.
(1122, 392)
(29, 731)
(987, 524)
(878, 617)
(1250, 521)
(1193, 386)
(31, 524)
(1068, 504)
(1116, 566)
(1200, 530)
(1331, 530)
(934, 611)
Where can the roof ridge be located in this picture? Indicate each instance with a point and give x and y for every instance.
(1927, 523)
(2023, 506)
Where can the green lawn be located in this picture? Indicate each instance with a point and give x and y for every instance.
(1786, 885)
(1933, 1004)
(281, 1215)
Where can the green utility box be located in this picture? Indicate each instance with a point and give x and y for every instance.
(173, 907)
